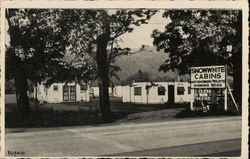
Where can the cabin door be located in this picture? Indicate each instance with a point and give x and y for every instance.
(171, 93)
(69, 93)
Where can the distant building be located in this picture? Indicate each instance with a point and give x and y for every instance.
(61, 92)
(94, 92)
(116, 92)
(158, 92)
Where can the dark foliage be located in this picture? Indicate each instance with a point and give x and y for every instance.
(51, 118)
(188, 113)
(140, 76)
(92, 32)
(203, 37)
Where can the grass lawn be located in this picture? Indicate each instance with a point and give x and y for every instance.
(79, 114)
(116, 105)
(76, 114)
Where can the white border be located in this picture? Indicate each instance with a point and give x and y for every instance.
(127, 4)
(181, 4)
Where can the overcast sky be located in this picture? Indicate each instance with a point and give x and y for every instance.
(141, 35)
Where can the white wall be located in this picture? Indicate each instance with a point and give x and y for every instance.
(118, 91)
(110, 91)
(95, 91)
(82, 95)
(185, 97)
(56, 96)
(126, 94)
(153, 97)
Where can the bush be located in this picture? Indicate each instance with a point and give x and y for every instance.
(51, 118)
(188, 113)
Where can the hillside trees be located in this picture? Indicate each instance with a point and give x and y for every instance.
(140, 76)
(36, 45)
(92, 31)
(202, 37)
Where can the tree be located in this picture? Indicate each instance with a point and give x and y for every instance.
(199, 37)
(92, 31)
(140, 76)
(36, 45)
(78, 70)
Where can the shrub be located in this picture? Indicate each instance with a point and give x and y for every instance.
(214, 112)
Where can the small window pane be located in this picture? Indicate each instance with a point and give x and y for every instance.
(161, 91)
(55, 88)
(180, 90)
(72, 93)
(137, 91)
(65, 93)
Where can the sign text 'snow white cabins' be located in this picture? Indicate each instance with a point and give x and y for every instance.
(208, 77)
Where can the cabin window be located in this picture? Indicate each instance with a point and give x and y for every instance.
(189, 90)
(55, 88)
(161, 91)
(92, 90)
(83, 87)
(137, 91)
(65, 93)
(180, 90)
(72, 93)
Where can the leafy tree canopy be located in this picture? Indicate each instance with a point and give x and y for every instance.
(140, 76)
(37, 42)
(85, 26)
(199, 37)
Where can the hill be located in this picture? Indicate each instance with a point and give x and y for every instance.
(148, 61)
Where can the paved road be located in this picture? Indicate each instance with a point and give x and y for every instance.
(226, 148)
(118, 139)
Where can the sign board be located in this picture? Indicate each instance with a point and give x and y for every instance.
(203, 98)
(208, 77)
(202, 94)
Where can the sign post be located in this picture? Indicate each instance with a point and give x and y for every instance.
(225, 103)
(207, 78)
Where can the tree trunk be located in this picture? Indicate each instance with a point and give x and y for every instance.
(102, 66)
(21, 82)
(21, 85)
(147, 97)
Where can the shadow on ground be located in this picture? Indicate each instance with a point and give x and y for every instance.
(79, 114)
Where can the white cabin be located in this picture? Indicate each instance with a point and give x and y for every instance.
(116, 92)
(61, 92)
(158, 92)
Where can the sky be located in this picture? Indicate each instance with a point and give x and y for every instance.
(141, 35)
